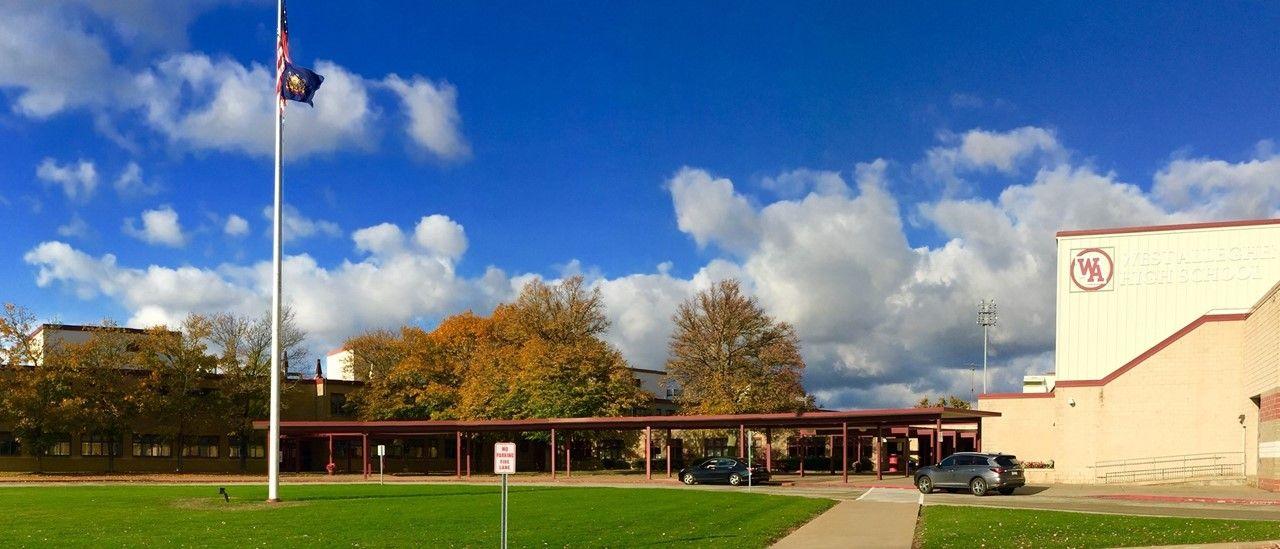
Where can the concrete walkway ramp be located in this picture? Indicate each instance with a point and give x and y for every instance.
(881, 518)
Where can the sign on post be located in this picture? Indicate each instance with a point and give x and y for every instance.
(504, 463)
(382, 451)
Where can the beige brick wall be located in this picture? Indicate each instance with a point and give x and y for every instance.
(1262, 345)
(1185, 399)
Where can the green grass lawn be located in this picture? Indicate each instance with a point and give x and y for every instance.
(395, 515)
(951, 526)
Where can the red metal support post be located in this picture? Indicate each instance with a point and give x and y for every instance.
(977, 439)
(804, 452)
(568, 454)
(364, 453)
(879, 451)
(937, 441)
(667, 453)
(768, 450)
(330, 467)
(742, 441)
(648, 455)
(553, 454)
(844, 454)
(468, 446)
(457, 452)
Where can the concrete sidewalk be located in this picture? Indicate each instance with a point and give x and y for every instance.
(879, 519)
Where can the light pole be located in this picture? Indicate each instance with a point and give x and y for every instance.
(987, 317)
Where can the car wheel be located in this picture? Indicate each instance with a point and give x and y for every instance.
(1006, 491)
(735, 479)
(688, 479)
(925, 484)
(978, 486)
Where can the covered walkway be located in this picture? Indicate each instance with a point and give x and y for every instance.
(937, 431)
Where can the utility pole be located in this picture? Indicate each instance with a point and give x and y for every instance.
(987, 317)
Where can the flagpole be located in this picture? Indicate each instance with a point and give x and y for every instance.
(273, 432)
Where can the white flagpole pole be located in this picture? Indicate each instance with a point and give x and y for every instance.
(273, 432)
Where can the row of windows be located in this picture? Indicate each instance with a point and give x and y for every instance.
(146, 446)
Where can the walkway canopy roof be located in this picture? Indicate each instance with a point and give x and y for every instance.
(901, 417)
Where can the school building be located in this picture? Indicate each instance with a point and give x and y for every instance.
(1167, 360)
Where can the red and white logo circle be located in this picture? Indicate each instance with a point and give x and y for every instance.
(1091, 269)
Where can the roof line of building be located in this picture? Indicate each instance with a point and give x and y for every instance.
(1173, 227)
(885, 417)
(1203, 319)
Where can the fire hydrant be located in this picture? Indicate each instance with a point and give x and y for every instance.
(330, 468)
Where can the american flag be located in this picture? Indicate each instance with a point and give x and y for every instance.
(282, 52)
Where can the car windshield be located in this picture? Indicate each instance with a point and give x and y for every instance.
(1007, 461)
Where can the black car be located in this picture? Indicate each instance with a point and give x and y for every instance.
(978, 472)
(722, 469)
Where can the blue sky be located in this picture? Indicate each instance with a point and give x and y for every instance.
(864, 169)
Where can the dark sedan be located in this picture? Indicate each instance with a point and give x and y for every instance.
(722, 469)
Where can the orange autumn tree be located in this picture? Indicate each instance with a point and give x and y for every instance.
(542, 356)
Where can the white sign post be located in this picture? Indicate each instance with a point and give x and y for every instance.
(504, 463)
(382, 451)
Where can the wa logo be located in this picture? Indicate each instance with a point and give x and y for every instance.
(1091, 269)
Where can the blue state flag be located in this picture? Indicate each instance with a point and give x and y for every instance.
(299, 84)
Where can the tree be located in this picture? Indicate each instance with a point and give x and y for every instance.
(950, 401)
(548, 358)
(729, 357)
(36, 398)
(244, 360)
(177, 393)
(412, 378)
(105, 382)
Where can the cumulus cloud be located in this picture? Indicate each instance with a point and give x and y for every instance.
(432, 111)
(882, 320)
(76, 228)
(982, 151)
(441, 236)
(297, 225)
(78, 180)
(52, 60)
(130, 183)
(802, 181)
(159, 226)
(235, 226)
(709, 210)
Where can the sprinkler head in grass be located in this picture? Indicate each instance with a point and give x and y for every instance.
(222, 490)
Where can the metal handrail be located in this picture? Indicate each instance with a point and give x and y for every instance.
(1172, 468)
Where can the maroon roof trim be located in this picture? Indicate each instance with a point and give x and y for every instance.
(1175, 227)
(903, 416)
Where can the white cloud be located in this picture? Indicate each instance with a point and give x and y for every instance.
(383, 239)
(981, 151)
(54, 62)
(200, 102)
(432, 110)
(802, 181)
(882, 320)
(235, 226)
(1217, 189)
(76, 228)
(130, 183)
(297, 225)
(441, 236)
(709, 210)
(78, 180)
(159, 226)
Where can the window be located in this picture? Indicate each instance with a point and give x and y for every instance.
(1007, 461)
(717, 446)
(200, 447)
(971, 460)
(9, 446)
(337, 404)
(948, 462)
(151, 446)
(61, 445)
(100, 445)
(257, 448)
(611, 448)
(414, 448)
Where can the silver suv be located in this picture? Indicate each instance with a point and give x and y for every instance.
(980, 473)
